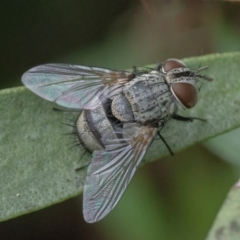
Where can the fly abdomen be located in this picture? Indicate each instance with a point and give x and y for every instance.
(85, 134)
(95, 125)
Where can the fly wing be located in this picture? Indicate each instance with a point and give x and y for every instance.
(111, 171)
(74, 86)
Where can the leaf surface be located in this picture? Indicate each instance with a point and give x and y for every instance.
(37, 168)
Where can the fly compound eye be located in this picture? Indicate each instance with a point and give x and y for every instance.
(185, 93)
(171, 64)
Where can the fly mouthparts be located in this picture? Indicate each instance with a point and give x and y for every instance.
(204, 77)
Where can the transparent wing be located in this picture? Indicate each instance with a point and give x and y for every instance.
(111, 171)
(74, 86)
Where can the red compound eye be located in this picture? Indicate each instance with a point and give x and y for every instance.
(172, 63)
(186, 93)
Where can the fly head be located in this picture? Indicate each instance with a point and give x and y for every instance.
(182, 81)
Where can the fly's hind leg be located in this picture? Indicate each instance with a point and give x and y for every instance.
(85, 165)
(82, 167)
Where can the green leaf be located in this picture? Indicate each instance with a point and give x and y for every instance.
(227, 223)
(37, 168)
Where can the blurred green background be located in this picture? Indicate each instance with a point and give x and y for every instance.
(174, 198)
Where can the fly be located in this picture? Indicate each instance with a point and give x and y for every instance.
(122, 112)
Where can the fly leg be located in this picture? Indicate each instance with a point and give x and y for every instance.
(166, 144)
(85, 165)
(82, 167)
(136, 71)
(159, 67)
(186, 119)
(66, 110)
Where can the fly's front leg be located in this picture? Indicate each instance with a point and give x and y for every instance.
(186, 119)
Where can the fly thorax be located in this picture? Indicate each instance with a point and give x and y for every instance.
(149, 97)
(121, 109)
